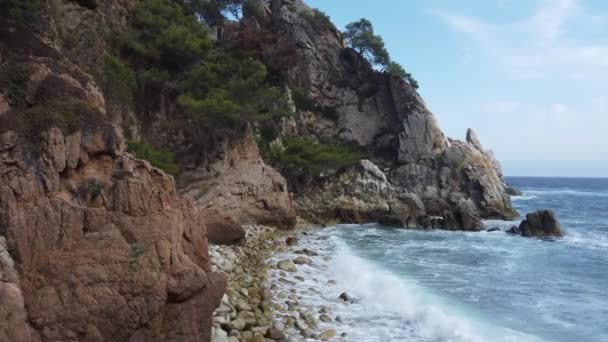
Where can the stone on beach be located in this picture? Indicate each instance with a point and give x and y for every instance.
(302, 261)
(327, 335)
(286, 265)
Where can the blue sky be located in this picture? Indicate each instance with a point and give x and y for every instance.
(531, 77)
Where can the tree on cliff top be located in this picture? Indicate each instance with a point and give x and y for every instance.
(361, 37)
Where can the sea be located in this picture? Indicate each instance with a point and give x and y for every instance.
(441, 286)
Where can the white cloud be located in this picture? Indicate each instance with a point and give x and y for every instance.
(539, 45)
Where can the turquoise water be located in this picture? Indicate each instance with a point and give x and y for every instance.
(451, 286)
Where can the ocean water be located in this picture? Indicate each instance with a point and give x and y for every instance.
(463, 286)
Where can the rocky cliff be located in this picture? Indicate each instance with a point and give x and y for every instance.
(446, 183)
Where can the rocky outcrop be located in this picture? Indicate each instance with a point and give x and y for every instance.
(242, 187)
(361, 193)
(539, 224)
(457, 182)
(104, 246)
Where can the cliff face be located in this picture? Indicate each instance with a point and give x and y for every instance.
(104, 246)
(94, 244)
(457, 182)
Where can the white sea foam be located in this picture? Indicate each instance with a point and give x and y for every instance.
(523, 198)
(389, 307)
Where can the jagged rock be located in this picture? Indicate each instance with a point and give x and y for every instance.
(386, 115)
(473, 140)
(542, 223)
(361, 193)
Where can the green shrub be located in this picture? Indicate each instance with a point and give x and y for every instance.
(307, 155)
(117, 81)
(160, 158)
(70, 115)
(14, 78)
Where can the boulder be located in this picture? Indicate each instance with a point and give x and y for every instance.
(495, 229)
(223, 231)
(542, 223)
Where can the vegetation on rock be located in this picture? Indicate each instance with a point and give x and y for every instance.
(160, 158)
(361, 37)
(117, 81)
(309, 156)
(13, 82)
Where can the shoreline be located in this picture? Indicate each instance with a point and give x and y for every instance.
(254, 308)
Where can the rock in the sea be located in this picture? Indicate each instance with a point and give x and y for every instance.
(286, 265)
(291, 241)
(542, 223)
(346, 297)
(514, 230)
(495, 229)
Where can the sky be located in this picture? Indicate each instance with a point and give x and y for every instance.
(529, 76)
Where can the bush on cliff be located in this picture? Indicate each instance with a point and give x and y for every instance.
(308, 155)
(117, 81)
(159, 158)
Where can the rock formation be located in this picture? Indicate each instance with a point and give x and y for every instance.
(242, 187)
(458, 183)
(542, 223)
(104, 245)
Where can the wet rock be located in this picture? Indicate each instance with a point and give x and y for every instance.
(291, 241)
(302, 261)
(541, 224)
(514, 230)
(327, 335)
(286, 265)
(495, 229)
(324, 318)
(346, 297)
